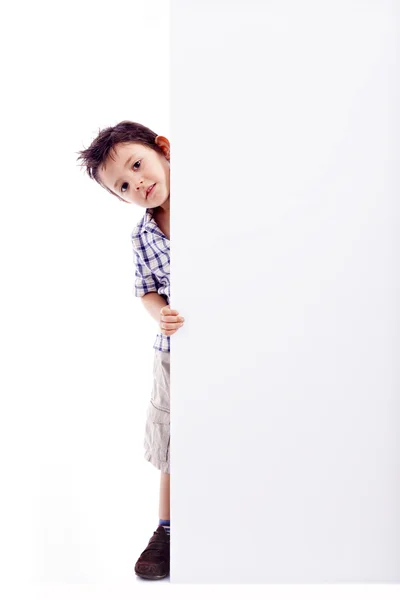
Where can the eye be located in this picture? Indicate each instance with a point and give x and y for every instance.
(125, 183)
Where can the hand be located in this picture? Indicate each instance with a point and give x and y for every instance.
(170, 320)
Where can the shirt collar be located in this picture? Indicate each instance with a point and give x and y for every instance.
(149, 223)
(148, 215)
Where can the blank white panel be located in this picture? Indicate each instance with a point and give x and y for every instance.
(285, 264)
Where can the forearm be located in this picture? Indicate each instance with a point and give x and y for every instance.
(153, 303)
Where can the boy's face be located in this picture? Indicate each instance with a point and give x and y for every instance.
(132, 168)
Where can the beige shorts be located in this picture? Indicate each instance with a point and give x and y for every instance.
(157, 435)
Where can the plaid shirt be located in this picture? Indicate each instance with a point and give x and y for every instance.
(151, 249)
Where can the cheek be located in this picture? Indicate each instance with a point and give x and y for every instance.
(107, 185)
(108, 175)
(165, 173)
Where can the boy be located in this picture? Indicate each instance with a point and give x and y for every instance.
(131, 162)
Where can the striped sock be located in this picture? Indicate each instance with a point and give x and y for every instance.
(166, 525)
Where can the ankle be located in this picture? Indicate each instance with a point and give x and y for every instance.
(166, 524)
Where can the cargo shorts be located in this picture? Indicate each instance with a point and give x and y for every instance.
(157, 433)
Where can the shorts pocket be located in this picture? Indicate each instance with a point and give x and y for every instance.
(157, 433)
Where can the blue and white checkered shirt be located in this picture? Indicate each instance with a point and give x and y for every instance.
(151, 250)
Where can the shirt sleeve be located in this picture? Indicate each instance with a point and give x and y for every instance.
(145, 281)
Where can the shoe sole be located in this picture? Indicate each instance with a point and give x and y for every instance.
(151, 577)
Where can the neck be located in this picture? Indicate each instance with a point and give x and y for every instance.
(164, 208)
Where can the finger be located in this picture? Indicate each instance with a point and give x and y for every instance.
(166, 310)
(172, 319)
(168, 332)
(170, 326)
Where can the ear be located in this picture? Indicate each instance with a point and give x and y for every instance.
(163, 142)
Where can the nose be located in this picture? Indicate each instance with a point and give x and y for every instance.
(139, 186)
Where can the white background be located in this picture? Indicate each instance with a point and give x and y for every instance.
(78, 501)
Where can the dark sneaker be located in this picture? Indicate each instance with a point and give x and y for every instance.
(153, 563)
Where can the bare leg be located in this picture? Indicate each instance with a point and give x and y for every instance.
(164, 496)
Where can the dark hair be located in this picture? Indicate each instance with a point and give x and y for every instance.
(102, 146)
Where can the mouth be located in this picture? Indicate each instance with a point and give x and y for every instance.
(150, 189)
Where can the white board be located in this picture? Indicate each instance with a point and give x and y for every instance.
(285, 265)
